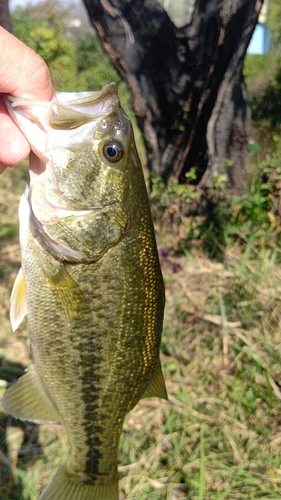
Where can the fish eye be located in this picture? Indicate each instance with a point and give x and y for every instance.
(113, 151)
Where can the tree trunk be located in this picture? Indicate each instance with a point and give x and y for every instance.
(186, 84)
(5, 18)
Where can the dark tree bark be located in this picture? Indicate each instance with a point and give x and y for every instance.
(186, 84)
(5, 18)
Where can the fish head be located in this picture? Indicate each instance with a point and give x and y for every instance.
(85, 146)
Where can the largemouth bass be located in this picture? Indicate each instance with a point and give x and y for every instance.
(90, 284)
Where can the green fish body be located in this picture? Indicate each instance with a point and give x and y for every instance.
(90, 284)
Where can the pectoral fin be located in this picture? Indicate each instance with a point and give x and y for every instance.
(18, 301)
(156, 388)
(26, 399)
(67, 294)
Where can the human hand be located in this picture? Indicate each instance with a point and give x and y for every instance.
(23, 73)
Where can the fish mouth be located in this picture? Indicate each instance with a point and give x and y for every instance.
(91, 103)
(67, 111)
(71, 114)
(90, 98)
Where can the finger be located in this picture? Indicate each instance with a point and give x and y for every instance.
(23, 72)
(14, 146)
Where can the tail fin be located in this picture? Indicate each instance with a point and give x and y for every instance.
(62, 488)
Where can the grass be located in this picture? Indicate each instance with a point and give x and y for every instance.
(219, 435)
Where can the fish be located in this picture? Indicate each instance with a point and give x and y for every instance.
(90, 284)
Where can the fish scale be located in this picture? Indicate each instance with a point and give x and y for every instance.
(91, 286)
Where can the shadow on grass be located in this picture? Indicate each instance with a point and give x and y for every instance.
(26, 442)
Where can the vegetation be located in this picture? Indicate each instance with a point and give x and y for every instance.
(218, 437)
(75, 64)
(252, 217)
